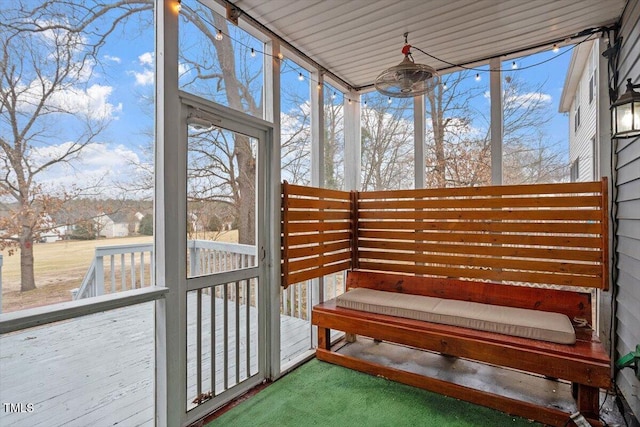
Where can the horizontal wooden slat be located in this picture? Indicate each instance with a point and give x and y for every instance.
(488, 215)
(305, 263)
(306, 239)
(482, 203)
(297, 277)
(490, 262)
(497, 226)
(310, 215)
(499, 190)
(315, 192)
(315, 227)
(498, 239)
(307, 251)
(489, 250)
(300, 203)
(491, 275)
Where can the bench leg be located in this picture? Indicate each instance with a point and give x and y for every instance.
(588, 400)
(324, 338)
(349, 337)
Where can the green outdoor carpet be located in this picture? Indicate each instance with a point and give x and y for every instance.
(321, 394)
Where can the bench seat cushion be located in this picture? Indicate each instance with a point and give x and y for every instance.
(520, 322)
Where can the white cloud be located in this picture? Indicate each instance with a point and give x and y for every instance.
(529, 98)
(146, 58)
(147, 76)
(92, 102)
(115, 59)
(524, 99)
(96, 165)
(144, 78)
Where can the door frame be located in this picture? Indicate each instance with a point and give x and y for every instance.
(268, 254)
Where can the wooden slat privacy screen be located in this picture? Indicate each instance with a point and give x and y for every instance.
(549, 234)
(317, 232)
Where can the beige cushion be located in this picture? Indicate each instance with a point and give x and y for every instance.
(519, 322)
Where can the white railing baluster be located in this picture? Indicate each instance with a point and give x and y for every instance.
(247, 315)
(99, 278)
(199, 343)
(142, 269)
(123, 273)
(112, 266)
(225, 342)
(213, 341)
(133, 270)
(237, 294)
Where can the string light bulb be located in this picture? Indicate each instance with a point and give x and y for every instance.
(389, 100)
(300, 77)
(555, 48)
(253, 53)
(444, 86)
(477, 77)
(219, 35)
(178, 6)
(514, 66)
(280, 56)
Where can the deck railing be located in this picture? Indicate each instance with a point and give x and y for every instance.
(123, 267)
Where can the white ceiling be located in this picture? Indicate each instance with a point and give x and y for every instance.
(357, 39)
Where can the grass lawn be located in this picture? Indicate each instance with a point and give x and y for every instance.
(59, 268)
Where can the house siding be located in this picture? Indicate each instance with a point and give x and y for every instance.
(585, 137)
(580, 141)
(628, 214)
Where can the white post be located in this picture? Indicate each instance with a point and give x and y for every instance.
(271, 308)
(98, 281)
(170, 224)
(496, 121)
(419, 137)
(352, 138)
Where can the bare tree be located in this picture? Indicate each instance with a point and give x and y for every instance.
(387, 144)
(459, 150)
(333, 141)
(48, 53)
(239, 87)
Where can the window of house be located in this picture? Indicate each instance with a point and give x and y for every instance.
(593, 73)
(576, 110)
(575, 170)
(595, 153)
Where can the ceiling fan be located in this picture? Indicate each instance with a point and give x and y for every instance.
(407, 78)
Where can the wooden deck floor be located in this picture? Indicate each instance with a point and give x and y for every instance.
(96, 370)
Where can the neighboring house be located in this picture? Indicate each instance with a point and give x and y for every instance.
(585, 98)
(118, 224)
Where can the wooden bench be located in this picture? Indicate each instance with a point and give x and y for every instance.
(537, 247)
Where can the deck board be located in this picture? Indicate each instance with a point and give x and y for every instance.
(98, 370)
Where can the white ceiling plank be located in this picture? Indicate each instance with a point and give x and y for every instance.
(357, 39)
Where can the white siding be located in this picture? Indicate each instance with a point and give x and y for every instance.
(582, 135)
(628, 247)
